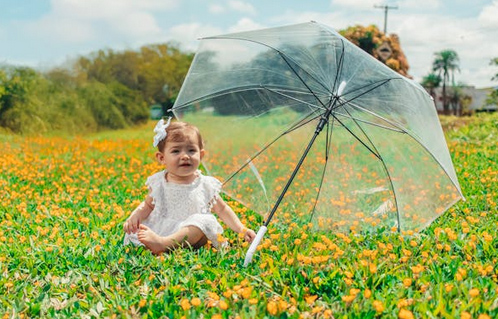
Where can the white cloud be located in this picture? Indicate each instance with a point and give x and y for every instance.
(423, 35)
(355, 3)
(332, 19)
(245, 24)
(489, 15)
(80, 21)
(64, 29)
(241, 6)
(216, 8)
(188, 34)
(427, 5)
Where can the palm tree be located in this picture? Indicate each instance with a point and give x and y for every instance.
(446, 62)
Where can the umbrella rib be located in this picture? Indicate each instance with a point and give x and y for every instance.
(372, 123)
(403, 131)
(356, 137)
(341, 64)
(330, 129)
(309, 118)
(292, 98)
(227, 91)
(383, 165)
(284, 57)
(377, 84)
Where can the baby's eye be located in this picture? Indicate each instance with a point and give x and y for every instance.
(175, 151)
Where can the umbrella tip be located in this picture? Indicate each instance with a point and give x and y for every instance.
(341, 88)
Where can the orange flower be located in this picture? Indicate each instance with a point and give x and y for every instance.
(142, 303)
(272, 308)
(407, 282)
(310, 299)
(378, 306)
(367, 293)
(348, 298)
(185, 304)
(474, 292)
(405, 314)
(195, 302)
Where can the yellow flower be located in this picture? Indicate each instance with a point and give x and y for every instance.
(142, 303)
(465, 315)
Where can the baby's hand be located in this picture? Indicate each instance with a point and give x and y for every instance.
(131, 225)
(249, 235)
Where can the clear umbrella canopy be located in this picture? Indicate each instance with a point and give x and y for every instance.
(368, 142)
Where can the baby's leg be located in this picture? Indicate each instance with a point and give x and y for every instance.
(189, 235)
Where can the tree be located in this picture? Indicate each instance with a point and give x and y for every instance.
(446, 62)
(493, 96)
(430, 82)
(494, 62)
(370, 38)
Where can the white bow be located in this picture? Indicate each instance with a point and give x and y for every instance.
(160, 131)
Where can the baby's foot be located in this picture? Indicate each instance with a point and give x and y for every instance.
(155, 243)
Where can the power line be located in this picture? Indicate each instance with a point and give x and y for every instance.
(386, 9)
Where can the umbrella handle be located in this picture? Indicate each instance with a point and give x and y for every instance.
(252, 249)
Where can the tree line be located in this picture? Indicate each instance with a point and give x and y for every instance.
(113, 89)
(104, 90)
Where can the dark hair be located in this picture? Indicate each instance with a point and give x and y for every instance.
(178, 132)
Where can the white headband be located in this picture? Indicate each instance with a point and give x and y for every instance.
(160, 131)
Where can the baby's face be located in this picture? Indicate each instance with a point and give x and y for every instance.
(182, 158)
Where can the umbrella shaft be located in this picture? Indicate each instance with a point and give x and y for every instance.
(289, 182)
(323, 121)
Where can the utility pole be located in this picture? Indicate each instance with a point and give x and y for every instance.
(386, 9)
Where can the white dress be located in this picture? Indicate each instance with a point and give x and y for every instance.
(180, 205)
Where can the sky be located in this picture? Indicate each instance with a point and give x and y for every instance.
(48, 33)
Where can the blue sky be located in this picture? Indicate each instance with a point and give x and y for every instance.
(45, 33)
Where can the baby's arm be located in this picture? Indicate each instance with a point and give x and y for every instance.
(228, 216)
(138, 215)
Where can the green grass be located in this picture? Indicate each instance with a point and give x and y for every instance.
(64, 201)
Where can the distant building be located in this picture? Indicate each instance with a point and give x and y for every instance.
(470, 100)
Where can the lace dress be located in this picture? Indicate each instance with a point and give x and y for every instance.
(180, 205)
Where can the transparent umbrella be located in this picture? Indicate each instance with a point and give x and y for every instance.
(297, 118)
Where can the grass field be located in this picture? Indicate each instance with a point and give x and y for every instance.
(63, 202)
